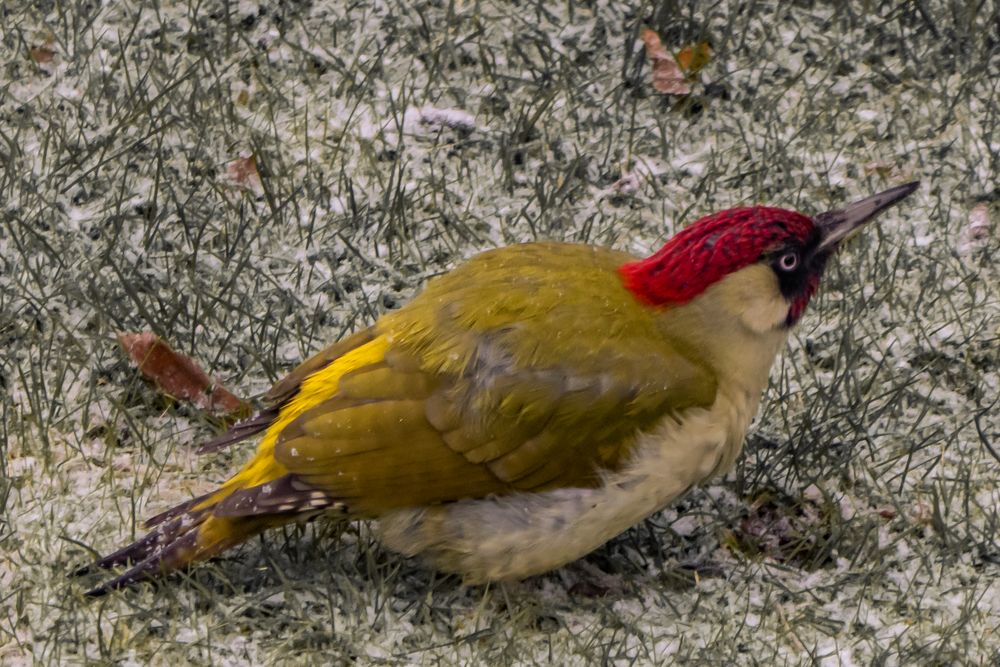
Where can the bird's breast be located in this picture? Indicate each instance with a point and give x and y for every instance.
(683, 451)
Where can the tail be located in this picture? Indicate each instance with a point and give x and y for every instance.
(262, 495)
(204, 527)
(199, 528)
(180, 538)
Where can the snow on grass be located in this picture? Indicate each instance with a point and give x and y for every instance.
(391, 140)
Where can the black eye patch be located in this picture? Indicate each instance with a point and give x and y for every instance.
(791, 266)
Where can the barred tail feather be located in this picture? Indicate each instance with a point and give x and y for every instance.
(157, 552)
(194, 531)
(173, 544)
(185, 507)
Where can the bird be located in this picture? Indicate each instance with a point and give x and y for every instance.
(527, 406)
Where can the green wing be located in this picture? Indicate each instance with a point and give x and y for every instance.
(527, 368)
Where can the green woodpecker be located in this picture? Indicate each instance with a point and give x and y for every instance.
(529, 405)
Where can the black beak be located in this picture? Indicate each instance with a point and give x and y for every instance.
(835, 226)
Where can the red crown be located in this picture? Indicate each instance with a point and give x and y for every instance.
(710, 249)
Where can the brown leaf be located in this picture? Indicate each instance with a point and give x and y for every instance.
(668, 77)
(243, 171)
(42, 55)
(694, 57)
(886, 512)
(178, 375)
(43, 52)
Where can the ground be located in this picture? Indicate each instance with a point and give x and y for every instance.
(250, 180)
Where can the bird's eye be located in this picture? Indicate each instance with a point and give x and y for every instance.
(789, 261)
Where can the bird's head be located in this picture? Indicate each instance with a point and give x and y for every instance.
(764, 262)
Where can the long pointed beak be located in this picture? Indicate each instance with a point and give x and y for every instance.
(836, 226)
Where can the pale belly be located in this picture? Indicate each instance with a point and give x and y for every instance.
(519, 535)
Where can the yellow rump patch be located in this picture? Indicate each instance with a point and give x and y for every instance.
(315, 389)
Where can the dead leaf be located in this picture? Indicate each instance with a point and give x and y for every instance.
(178, 375)
(886, 512)
(42, 55)
(668, 77)
(243, 172)
(692, 59)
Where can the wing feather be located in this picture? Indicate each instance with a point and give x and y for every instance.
(490, 386)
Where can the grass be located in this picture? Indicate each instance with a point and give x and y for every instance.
(861, 525)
